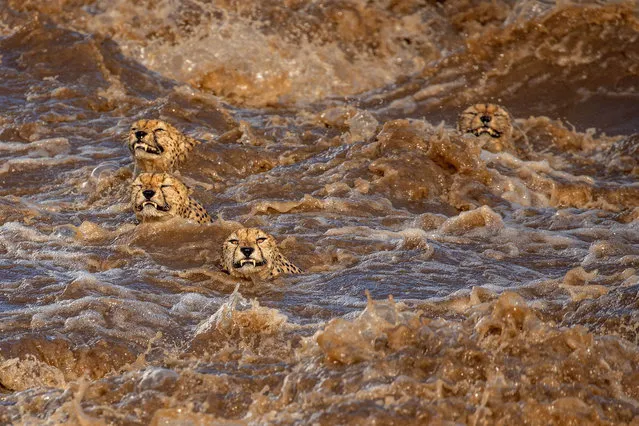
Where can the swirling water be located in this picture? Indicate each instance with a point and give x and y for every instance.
(443, 283)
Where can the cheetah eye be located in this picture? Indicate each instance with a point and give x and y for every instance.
(166, 186)
(261, 240)
(233, 241)
(159, 130)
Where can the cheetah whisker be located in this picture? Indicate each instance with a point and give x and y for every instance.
(251, 253)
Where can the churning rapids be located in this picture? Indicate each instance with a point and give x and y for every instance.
(443, 283)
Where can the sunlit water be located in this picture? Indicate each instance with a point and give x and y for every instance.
(443, 283)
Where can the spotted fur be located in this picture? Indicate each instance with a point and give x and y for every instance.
(159, 196)
(157, 146)
(252, 253)
(489, 122)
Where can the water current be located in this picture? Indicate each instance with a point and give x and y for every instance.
(444, 282)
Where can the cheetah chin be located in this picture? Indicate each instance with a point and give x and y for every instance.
(491, 123)
(157, 146)
(252, 253)
(159, 196)
(154, 205)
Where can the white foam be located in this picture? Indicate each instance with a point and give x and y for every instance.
(193, 304)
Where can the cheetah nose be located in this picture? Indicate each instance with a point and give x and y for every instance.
(247, 251)
(140, 134)
(485, 119)
(148, 193)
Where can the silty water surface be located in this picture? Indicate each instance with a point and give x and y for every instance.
(443, 283)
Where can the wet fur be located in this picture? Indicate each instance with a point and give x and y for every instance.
(171, 196)
(270, 262)
(162, 149)
(496, 129)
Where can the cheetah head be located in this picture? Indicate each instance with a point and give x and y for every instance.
(157, 196)
(153, 144)
(250, 252)
(485, 119)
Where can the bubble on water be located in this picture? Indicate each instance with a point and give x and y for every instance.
(481, 221)
(528, 10)
(191, 304)
(21, 374)
(225, 312)
(362, 125)
(104, 170)
(158, 379)
(65, 232)
(52, 147)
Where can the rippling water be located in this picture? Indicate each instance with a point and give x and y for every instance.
(443, 283)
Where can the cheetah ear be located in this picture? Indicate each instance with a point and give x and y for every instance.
(189, 190)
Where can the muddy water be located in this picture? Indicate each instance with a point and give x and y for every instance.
(443, 283)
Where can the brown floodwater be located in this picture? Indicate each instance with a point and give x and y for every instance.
(443, 283)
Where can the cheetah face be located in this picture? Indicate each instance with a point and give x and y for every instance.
(146, 137)
(485, 119)
(249, 252)
(155, 145)
(157, 196)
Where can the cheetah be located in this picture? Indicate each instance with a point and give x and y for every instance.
(252, 253)
(160, 196)
(157, 146)
(491, 123)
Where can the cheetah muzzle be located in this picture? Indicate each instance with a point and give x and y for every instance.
(490, 120)
(162, 208)
(487, 130)
(141, 144)
(157, 146)
(252, 253)
(160, 196)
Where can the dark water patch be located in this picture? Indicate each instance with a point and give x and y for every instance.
(495, 271)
